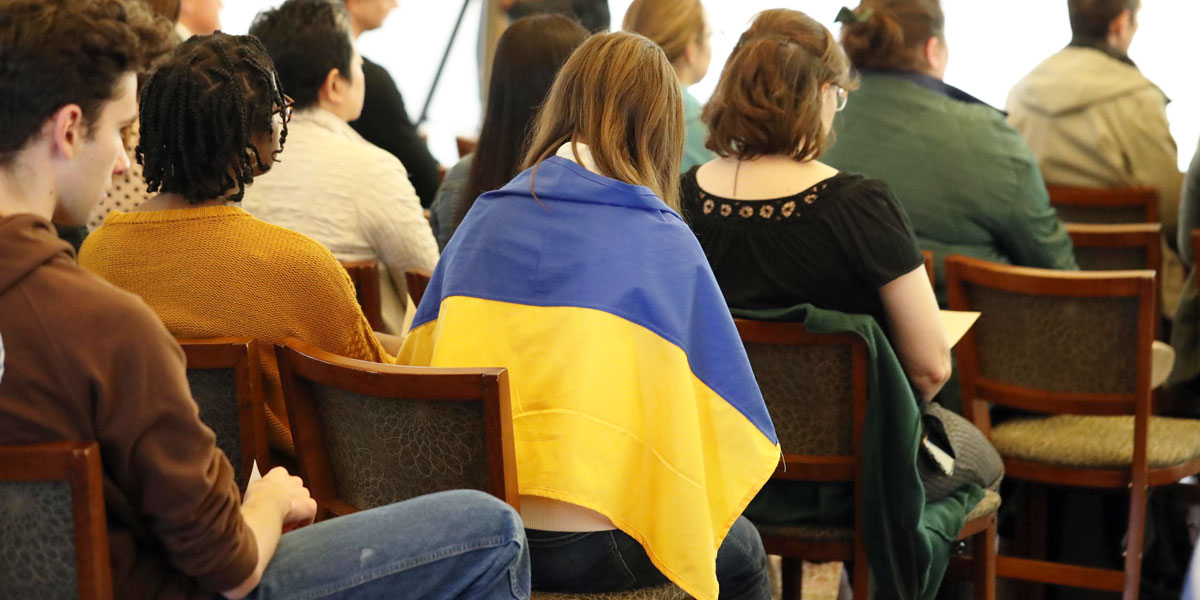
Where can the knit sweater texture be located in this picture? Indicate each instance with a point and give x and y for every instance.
(218, 271)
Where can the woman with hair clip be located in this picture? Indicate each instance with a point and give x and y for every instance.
(681, 29)
(964, 176)
(210, 126)
(780, 228)
(640, 433)
(528, 57)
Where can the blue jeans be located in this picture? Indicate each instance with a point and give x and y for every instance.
(611, 561)
(458, 544)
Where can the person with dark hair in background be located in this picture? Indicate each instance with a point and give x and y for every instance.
(1094, 120)
(593, 15)
(177, 527)
(527, 59)
(965, 177)
(336, 187)
(384, 120)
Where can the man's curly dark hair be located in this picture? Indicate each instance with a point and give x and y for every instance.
(59, 52)
(200, 112)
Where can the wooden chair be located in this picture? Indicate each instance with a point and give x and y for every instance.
(53, 532)
(815, 386)
(1104, 205)
(226, 383)
(417, 280)
(466, 145)
(1075, 346)
(369, 434)
(364, 274)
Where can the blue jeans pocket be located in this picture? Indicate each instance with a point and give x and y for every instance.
(584, 562)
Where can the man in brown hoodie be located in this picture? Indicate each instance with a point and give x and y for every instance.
(83, 360)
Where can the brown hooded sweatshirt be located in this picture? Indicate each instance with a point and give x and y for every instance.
(87, 361)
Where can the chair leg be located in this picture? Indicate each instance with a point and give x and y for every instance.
(983, 564)
(1134, 541)
(792, 572)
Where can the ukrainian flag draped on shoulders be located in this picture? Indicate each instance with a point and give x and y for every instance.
(631, 392)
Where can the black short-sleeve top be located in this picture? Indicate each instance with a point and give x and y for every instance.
(833, 245)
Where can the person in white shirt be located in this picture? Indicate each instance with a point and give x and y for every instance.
(334, 186)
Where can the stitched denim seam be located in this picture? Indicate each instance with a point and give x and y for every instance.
(411, 563)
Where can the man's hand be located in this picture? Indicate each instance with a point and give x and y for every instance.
(287, 492)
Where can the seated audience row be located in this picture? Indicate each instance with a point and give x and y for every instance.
(87, 361)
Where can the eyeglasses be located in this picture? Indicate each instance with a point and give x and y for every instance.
(285, 111)
(843, 96)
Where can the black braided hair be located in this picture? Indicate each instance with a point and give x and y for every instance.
(200, 112)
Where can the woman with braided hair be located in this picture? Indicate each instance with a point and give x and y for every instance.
(214, 118)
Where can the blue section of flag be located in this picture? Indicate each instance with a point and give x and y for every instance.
(643, 265)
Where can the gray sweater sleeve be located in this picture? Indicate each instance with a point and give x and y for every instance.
(1189, 210)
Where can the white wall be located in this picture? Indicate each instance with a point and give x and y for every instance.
(992, 45)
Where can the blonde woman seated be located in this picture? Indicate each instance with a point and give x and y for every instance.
(780, 228)
(640, 433)
(204, 265)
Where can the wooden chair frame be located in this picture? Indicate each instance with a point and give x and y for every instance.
(1143, 197)
(241, 355)
(980, 392)
(848, 468)
(301, 364)
(364, 274)
(417, 281)
(1147, 236)
(77, 463)
(466, 145)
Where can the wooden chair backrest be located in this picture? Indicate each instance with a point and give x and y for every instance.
(369, 434)
(466, 145)
(1104, 205)
(364, 274)
(52, 510)
(417, 280)
(226, 383)
(1060, 342)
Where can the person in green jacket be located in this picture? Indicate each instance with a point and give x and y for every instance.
(967, 180)
(680, 28)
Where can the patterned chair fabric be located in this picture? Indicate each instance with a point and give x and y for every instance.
(808, 390)
(662, 592)
(1111, 259)
(1096, 442)
(216, 393)
(384, 450)
(37, 541)
(1083, 345)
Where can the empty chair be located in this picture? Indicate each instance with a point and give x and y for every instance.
(1076, 348)
(53, 533)
(226, 383)
(816, 386)
(364, 274)
(1104, 205)
(369, 434)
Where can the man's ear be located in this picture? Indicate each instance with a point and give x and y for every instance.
(1121, 24)
(66, 130)
(331, 88)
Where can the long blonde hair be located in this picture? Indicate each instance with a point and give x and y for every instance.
(672, 24)
(618, 94)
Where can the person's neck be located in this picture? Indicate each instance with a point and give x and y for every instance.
(685, 75)
(23, 192)
(332, 108)
(177, 202)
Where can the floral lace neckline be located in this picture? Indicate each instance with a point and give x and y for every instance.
(776, 209)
